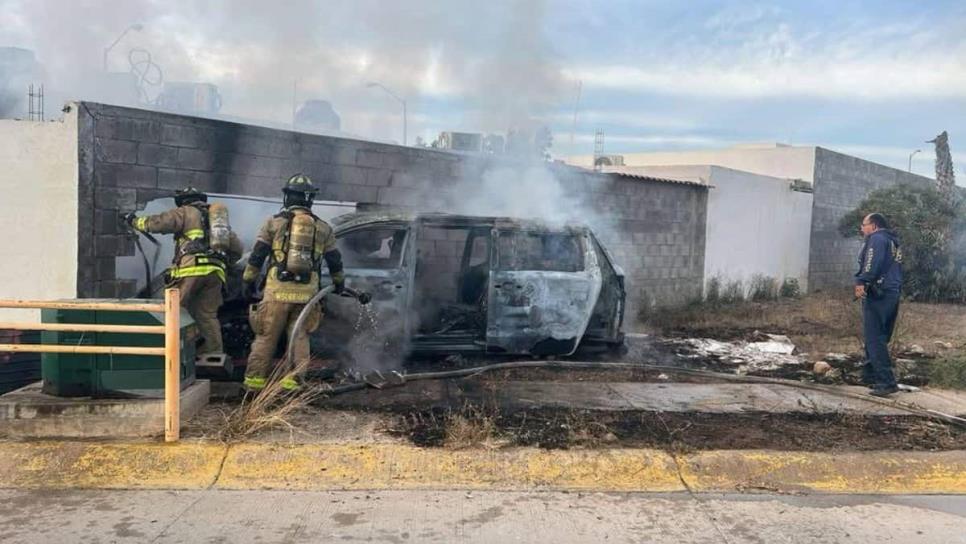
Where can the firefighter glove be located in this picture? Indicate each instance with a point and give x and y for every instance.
(129, 218)
(338, 281)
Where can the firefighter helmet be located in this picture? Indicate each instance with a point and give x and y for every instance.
(299, 191)
(189, 195)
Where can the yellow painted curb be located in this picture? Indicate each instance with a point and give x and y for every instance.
(199, 465)
(113, 466)
(855, 472)
(389, 466)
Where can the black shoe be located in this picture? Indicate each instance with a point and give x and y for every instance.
(883, 391)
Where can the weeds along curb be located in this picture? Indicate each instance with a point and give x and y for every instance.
(206, 465)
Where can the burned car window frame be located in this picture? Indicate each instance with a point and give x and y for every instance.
(503, 233)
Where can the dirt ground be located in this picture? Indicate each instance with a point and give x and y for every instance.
(817, 324)
(475, 427)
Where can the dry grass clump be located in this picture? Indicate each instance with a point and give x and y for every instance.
(473, 426)
(272, 407)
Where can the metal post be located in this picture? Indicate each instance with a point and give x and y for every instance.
(405, 139)
(172, 365)
(910, 158)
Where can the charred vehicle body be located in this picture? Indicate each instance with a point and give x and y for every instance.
(448, 284)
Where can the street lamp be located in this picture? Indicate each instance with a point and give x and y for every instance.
(372, 84)
(910, 158)
(136, 27)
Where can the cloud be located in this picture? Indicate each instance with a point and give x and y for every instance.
(875, 79)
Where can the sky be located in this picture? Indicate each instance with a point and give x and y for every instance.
(875, 79)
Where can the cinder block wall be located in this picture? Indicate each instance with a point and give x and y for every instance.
(128, 157)
(841, 183)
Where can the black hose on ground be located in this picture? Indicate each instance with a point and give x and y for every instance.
(468, 372)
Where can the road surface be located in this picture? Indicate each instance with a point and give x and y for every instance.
(44, 516)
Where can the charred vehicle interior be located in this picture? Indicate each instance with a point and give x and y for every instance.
(452, 284)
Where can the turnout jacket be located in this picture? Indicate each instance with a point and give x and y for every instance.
(191, 258)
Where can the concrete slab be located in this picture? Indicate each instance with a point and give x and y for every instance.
(720, 398)
(713, 398)
(29, 413)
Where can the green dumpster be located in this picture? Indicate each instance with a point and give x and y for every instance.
(107, 375)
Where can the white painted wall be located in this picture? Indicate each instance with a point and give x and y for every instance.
(794, 162)
(756, 224)
(38, 212)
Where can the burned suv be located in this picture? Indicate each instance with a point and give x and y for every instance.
(449, 284)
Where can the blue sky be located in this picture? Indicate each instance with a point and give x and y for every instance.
(874, 79)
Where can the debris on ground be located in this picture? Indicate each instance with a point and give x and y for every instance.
(743, 357)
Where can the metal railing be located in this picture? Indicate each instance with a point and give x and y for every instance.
(171, 308)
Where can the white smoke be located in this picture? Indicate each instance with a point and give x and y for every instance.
(493, 58)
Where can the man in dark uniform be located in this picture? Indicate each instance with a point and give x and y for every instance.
(878, 283)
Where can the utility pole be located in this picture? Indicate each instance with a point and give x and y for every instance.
(573, 129)
(910, 158)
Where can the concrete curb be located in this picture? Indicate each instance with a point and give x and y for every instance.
(203, 465)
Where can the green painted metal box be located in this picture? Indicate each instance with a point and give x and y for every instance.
(106, 375)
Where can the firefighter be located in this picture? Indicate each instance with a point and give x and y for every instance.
(295, 242)
(204, 247)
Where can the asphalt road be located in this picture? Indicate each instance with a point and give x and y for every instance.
(44, 516)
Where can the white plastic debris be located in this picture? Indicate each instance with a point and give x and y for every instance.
(821, 368)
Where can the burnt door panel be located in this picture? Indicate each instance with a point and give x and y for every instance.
(542, 290)
(608, 315)
(375, 260)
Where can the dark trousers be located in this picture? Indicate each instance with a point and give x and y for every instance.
(879, 315)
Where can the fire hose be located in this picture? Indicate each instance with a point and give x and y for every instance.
(363, 298)
(149, 267)
(400, 379)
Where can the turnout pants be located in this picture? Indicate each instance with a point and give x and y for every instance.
(879, 315)
(269, 320)
(201, 296)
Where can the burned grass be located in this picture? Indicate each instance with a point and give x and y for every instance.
(560, 429)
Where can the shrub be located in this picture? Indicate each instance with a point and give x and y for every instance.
(932, 232)
(762, 288)
(734, 291)
(713, 293)
(949, 371)
(790, 288)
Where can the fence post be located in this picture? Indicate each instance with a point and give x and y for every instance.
(172, 365)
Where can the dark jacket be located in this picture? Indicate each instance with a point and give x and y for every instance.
(880, 262)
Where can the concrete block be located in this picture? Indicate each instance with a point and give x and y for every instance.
(196, 159)
(106, 268)
(169, 178)
(316, 152)
(110, 245)
(107, 222)
(113, 198)
(157, 155)
(350, 175)
(29, 413)
(254, 186)
(116, 151)
(122, 128)
(186, 136)
(358, 193)
(250, 144)
(345, 153)
(107, 175)
(378, 177)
